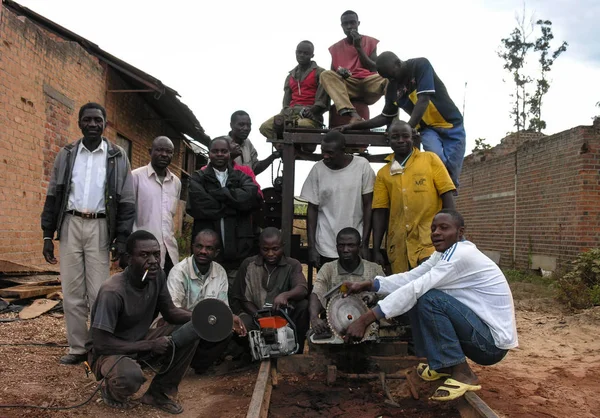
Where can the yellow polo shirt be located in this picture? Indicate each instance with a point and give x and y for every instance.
(413, 199)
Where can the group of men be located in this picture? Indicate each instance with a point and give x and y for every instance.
(96, 205)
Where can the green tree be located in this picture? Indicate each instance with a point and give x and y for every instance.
(481, 145)
(542, 85)
(514, 51)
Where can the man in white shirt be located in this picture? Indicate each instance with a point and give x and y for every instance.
(157, 192)
(339, 192)
(90, 208)
(196, 278)
(459, 303)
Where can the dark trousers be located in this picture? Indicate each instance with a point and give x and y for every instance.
(168, 264)
(207, 353)
(299, 316)
(124, 376)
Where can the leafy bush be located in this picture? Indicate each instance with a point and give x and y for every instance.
(580, 288)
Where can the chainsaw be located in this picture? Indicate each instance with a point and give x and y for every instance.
(276, 336)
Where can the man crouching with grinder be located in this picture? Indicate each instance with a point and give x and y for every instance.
(126, 306)
(459, 304)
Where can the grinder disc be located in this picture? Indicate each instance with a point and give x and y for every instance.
(212, 319)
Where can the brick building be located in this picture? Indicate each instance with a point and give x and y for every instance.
(533, 201)
(46, 74)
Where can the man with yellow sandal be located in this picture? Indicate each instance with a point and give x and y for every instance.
(459, 303)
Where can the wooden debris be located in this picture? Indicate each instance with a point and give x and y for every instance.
(38, 280)
(37, 308)
(28, 291)
(55, 295)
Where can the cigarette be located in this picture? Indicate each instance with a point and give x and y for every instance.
(144, 277)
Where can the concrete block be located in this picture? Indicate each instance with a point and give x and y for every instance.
(544, 262)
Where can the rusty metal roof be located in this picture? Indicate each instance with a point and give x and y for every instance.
(163, 99)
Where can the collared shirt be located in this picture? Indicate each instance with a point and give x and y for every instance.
(413, 198)
(246, 170)
(188, 287)
(331, 274)
(441, 111)
(156, 207)
(464, 273)
(88, 180)
(249, 155)
(256, 284)
(222, 177)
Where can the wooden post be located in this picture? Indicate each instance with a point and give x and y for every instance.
(287, 204)
(261, 397)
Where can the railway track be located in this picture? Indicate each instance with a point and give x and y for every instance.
(469, 406)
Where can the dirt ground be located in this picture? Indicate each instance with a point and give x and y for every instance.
(555, 372)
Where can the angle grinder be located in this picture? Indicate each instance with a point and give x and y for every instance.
(212, 321)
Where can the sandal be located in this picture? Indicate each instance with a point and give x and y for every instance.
(428, 374)
(455, 390)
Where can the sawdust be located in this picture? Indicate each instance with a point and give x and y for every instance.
(554, 373)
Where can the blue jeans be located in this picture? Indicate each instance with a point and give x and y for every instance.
(449, 145)
(445, 331)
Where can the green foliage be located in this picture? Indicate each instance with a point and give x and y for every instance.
(580, 288)
(514, 51)
(542, 46)
(520, 276)
(481, 145)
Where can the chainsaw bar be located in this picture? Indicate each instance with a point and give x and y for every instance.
(342, 311)
(212, 319)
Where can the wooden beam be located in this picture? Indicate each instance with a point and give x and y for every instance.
(261, 397)
(28, 291)
(287, 204)
(131, 91)
(363, 138)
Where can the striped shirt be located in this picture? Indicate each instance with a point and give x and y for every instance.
(464, 273)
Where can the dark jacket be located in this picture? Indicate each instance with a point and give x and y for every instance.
(118, 192)
(208, 203)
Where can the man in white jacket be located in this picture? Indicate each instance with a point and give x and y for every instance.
(459, 303)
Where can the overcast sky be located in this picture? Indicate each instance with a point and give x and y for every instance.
(222, 56)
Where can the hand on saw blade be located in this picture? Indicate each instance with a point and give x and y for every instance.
(356, 330)
(238, 326)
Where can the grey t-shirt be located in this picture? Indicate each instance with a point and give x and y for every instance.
(338, 193)
(126, 311)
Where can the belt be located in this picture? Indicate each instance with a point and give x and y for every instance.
(87, 215)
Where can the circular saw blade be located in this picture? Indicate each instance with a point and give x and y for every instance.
(341, 312)
(212, 319)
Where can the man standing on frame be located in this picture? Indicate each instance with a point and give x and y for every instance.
(90, 205)
(353, 72)
(157, 192)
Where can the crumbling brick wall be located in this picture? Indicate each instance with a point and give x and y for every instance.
(534, 200)
(44, 79)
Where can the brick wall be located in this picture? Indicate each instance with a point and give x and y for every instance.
(534, 200)
(44, 79)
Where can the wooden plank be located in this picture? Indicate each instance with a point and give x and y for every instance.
(37, 280)
(37, 308)
(472, 406)
(27, 291)
(316, 138)
(261, 397)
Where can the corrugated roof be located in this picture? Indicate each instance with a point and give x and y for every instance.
(164, 100)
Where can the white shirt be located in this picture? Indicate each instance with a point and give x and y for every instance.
(222, 177)
(338, 193)
(187, 288)
(88, 180)
(464, 273)
(156, 207)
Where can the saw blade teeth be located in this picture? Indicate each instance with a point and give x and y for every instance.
(332, 304)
